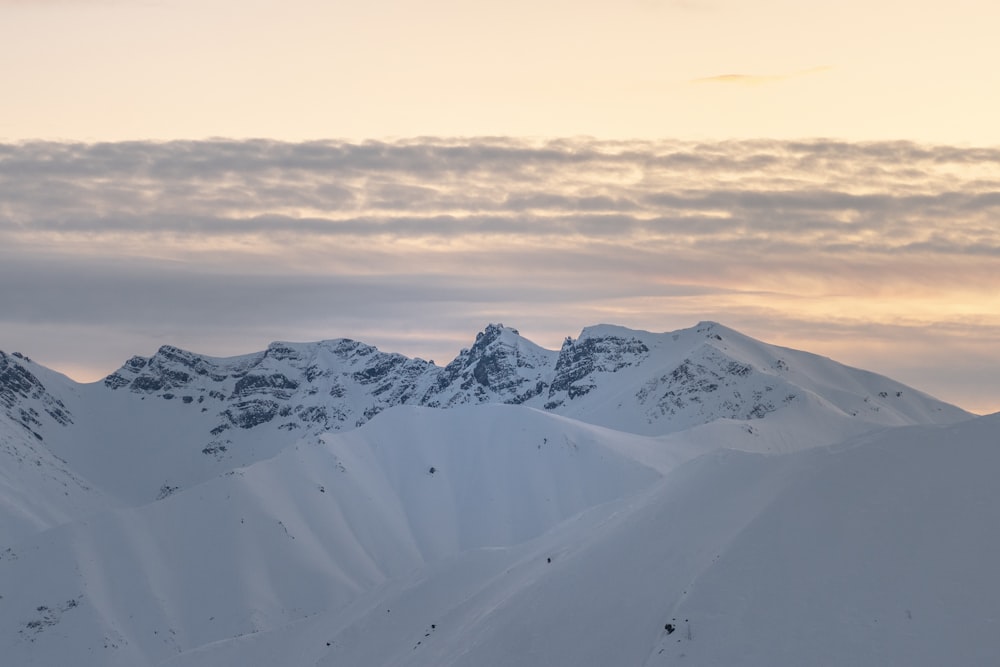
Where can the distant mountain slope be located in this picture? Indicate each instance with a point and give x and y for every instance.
(660, 383)
(635, 381)
(177, 418)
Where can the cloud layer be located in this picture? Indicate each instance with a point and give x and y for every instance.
(843, 248)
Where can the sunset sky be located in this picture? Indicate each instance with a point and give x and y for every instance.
(218, 174)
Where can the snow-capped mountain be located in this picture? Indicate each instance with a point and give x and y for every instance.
(178, 418)
(38, 489)
(632, 498)
(638, 381)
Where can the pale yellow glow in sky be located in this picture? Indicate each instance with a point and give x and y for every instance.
(300, 69)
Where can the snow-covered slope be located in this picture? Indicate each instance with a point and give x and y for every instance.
(635, 381)
(37, 488)
(316, 504)
(177, 418)
(880, 551)
(310, 531)
(659, 383)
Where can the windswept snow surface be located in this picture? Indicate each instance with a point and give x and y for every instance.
(880, 551)
(308, 532)
(695, 497)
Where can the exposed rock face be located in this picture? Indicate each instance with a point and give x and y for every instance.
(714, 385)
(500, 367)
(25, 400)
(318, 386)
(579, 361)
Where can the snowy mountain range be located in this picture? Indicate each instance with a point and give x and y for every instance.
(630, 499)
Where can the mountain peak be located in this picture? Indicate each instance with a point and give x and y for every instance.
(494, 330)
(494, 333)
(612, 376)
(500, 367)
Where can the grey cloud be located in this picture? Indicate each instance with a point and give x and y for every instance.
(197, 236)
(329, 174)
(517, 202)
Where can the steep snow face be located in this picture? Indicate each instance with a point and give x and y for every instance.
(876, 552)
(316, 530)
(662, 383)
(37, 488)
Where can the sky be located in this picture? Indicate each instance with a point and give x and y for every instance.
(218, 175)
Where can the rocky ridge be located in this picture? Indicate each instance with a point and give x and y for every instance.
(234, 411)
(338, 384)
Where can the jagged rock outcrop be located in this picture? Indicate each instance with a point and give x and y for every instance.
(25, 399)
(580, 361)
(500, 367)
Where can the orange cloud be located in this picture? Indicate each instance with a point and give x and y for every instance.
(759, 79)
